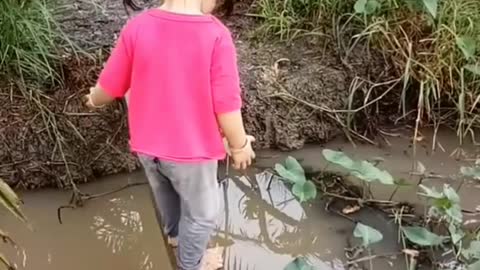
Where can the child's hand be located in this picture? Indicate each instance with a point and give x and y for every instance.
(89, 102)
(242, 158)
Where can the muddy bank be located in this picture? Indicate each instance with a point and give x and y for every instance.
(51, 139)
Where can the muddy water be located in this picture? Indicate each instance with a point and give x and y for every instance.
(262, 227)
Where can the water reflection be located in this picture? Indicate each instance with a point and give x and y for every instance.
(120, 228)
(265, 228)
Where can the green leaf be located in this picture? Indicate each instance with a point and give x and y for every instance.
(473, 252)
(451, 194)
(454, 212)
(299, 264)
(292, 171)
(468, 46)
(475, 69)
(422, 236)
(368, 234)
(10, 200)
(474, 266)
(364, 170)
(366, 7)
(456, 233)
(305, 191)
(338, 158)
(473, 172)
(431, 6)
(372, 6)
(431, 193)
(360, 6)
(368, 172)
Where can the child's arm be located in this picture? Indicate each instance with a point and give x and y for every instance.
(228, 101)
(114, 80)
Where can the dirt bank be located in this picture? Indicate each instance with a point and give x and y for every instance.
(52, 139)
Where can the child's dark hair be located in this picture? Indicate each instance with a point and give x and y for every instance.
(226, 7)
(131, 4)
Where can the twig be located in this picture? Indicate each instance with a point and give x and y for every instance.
(371, 257)
(78, 198)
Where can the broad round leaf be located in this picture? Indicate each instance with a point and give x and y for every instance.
(371, 6)
(360, 6)
(299, 264)
(368, 172)
(304, 191)
(422, 236)
(292, 171)
(338, 158)
(368, 234)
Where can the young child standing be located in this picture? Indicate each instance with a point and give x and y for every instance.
(179, 66)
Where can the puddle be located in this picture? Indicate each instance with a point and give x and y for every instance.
(262, 226)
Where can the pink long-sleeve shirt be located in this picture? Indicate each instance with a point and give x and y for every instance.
(180, 72)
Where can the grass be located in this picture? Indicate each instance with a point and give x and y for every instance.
(433, 44)
(29, 37)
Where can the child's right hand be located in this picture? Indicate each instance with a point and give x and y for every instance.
(242, 158)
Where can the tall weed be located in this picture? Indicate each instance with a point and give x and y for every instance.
(28, 40)
(434, 45)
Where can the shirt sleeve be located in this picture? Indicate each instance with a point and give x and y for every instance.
(225, 79)
(117, 72)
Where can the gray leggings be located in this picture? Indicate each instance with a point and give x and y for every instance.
(187, 201)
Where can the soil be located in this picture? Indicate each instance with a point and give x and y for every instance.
(56, 140)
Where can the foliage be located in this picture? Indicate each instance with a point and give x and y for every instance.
(363, 170)
(29, 35)
(9, 200)
(293, 172)
(444, 209)
(422, 236)
(368, 234)
(299, 264)
(432, 44)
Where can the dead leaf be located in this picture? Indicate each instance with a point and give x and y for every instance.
(411, 252)
(351, 209)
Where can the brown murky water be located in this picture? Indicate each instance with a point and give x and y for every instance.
(262, 228)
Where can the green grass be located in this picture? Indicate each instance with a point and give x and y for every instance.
(28, 40)
(433, 44)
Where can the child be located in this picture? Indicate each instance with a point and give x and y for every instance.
(179, 67)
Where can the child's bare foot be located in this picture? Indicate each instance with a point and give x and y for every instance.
(172, 242)
(213, 259)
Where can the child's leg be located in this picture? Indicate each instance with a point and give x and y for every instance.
(166, 199)
(198, 188)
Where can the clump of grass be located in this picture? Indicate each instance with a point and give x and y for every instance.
(433, 44)
(28, 39)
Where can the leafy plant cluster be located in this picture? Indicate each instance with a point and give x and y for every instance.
(29, 36)
(444, 213)
(433, 45)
